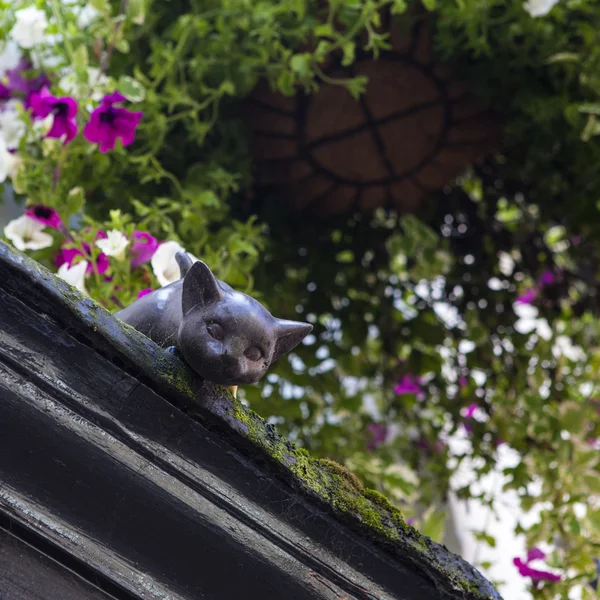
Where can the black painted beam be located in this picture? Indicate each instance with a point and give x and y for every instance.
(120, 471)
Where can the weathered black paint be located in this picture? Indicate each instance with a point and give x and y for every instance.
(113, 478)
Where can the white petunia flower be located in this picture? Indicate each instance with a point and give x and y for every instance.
(26, 234)
(12, 127)
(30, 28)
(539, 8)
(96, 80)
(8, 162)
(164, 265)
(10, 55)
(114, 244)
(5, 160)
(86, 16)
(74, 275)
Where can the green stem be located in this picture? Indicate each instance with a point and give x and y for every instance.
(62, 30)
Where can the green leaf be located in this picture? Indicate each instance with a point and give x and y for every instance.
(593, 517)
(136, 11)
(434, 524)
(80, 62)
(563, 57)
(573, 417)
(429, 4)
(75, 200)
(301, 64)
(102, 6)
(131, 89)
(346, 256)
(324, 30)
(349, 49)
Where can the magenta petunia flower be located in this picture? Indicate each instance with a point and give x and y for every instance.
(527, 297)
(4, 92)
(535, 554)
(379, 433)
(68, 255)
(108, 123)
(143, 248)
(21, 80)
(46, 215)
(144, 292)
(64, 110)
(409, 384)
(547, 278)
(536, 575)
(470, 410)
(463, 381)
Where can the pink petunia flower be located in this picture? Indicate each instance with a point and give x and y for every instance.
(68, 255)
(143, 248)
(64, 110)
(409, 384)
(144, 292)
(46, 215)
(108, 123)
(536, 575)
(379, 433)
(527, 297)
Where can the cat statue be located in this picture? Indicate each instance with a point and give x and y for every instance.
(225, 336)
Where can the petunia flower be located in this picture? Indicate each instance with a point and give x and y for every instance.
(8, 161)
(143, 248)
(527, 297)
(535, 554)
(547, 278)
(144, 292)
(114, 244)
(67, 255)
(379, 433)
(30, 27)
(27, 234)
(536, 575)
(10, 55)
(25, 85)
(12, 128)
(64, 110)
(4, 92)
(539, 8)
(46, 215)
(409, 384)
(75, 275)
(163, 263)
(108, 123)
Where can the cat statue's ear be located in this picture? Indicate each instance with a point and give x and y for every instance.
(289, 335)
(184, 262)
(200, 287)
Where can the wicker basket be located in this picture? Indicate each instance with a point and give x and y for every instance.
(414, 130)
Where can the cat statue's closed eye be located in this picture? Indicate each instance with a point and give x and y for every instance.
(225, 336)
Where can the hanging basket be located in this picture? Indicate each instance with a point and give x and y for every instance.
(414, 130)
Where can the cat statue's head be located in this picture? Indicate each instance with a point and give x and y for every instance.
(227, 337)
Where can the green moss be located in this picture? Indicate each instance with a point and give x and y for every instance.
(348, 478)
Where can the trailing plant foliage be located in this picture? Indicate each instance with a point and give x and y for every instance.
(460, 337)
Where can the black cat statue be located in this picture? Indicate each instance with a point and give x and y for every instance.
(225, 336)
